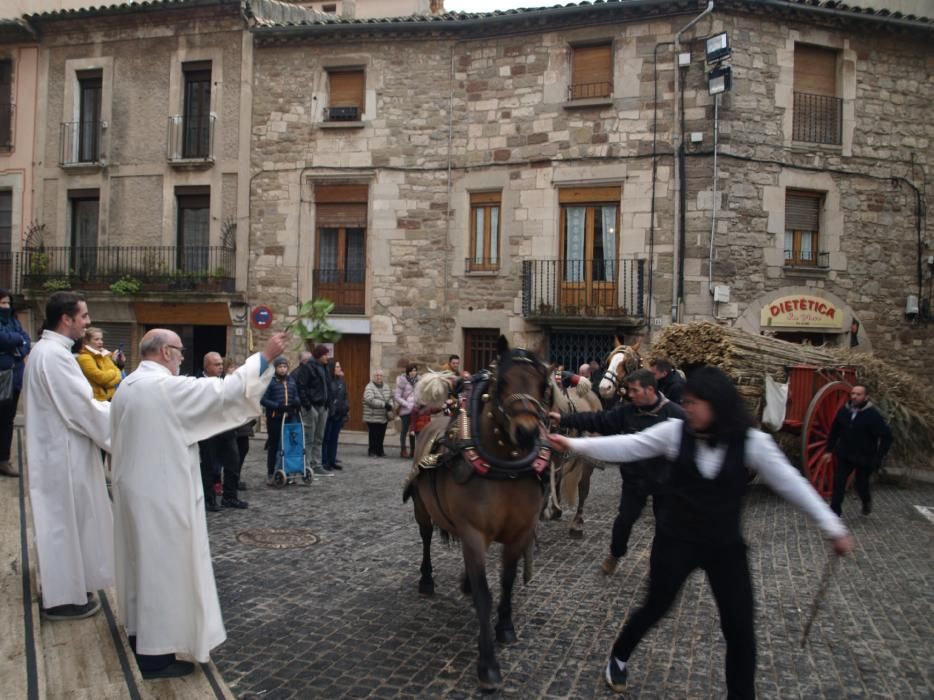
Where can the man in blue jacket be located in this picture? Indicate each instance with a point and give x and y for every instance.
(280, 400)
(860, 439)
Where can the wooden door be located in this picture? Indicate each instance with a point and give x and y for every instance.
(353, 352)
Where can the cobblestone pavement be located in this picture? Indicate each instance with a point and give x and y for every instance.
(343, 618)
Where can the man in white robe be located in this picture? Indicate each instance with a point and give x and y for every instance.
(65, 431)
(165, 579)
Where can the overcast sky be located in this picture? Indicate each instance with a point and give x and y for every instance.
(491, 5)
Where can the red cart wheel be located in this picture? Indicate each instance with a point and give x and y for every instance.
(814, 433)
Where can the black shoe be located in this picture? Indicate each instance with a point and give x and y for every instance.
(615, 676)
(210, 505)
(867, 507)
(174, 669)
(234, 503)
(72, 612)
(336, 466)
(241, 486)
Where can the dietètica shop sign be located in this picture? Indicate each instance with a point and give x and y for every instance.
(802, 311)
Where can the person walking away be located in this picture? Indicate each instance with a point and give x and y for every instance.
(670, 381)
(859, 438)
(377, 405)
(14, 347)
(222, 449)
(643, 478)
(165, 581)
(699, 524)
(66, 429)
(280, 400)
(338, 414)
(311, 377)
(103, 369)
(404, 396)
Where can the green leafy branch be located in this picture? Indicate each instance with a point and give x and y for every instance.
(311, 324)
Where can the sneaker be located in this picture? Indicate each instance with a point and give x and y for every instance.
(269, 481)
(234, 503)
(336, 466)
(210, 504)
(72, 612)
(615, 676)
(609, 565)
(321, 470)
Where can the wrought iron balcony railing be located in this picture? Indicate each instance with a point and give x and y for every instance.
(817, 119)
(807, 258)
(346, 288)
(587, 91)
(81, 143)
(7, 122)
(190, 137)
(583, 288)
(155, 268)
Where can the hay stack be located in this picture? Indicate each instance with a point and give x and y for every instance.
(905, 401)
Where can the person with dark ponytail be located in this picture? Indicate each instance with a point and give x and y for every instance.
(698, 523)
(14, 346)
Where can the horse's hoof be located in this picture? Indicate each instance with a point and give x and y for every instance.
(576, 533)
(426, 588)
(556, 514)
(506, 636)
(490, 679)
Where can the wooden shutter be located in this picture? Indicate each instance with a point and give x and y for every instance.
(579, 195)
(346, 89)
(815, 70)
(6, 81)
(592, 64)
(341, 205)
(802, 211)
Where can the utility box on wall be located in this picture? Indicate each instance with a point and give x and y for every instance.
(721, 294)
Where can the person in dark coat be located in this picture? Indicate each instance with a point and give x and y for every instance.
(338, 414)
(643, 478)
(670, 381)
(859, 438)
(14, 346)
(311, 378)
(280, 400)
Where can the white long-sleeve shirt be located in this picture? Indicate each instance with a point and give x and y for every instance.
(761, 454)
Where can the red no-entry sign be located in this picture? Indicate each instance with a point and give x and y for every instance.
(262, 316)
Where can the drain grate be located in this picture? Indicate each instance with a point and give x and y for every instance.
(278, 538)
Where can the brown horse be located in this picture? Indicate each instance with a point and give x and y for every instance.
(501, 433)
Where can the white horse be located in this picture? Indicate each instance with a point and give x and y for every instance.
(621, 362)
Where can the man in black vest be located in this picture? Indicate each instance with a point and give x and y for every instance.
(699, 524)
(860, 439)
(640, 479)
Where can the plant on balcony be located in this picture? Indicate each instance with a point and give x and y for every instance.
(126, 286)
(219, 273)
(38, 262)
(57, 284)
(311, 325)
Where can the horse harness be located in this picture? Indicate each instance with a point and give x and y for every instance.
(632, 361)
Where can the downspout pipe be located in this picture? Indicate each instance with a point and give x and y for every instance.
(677, 147)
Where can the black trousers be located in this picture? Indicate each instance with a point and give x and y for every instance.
(243, 447)
(842, 475)
(228, 456)
(377, 433)
(404, 433)
(727, 570)
(632, 500)
(7, 416)
(274, 432)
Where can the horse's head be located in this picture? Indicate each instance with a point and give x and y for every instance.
(522, 392)
(622, 361)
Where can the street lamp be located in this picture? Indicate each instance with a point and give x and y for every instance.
(718, 47)
(719, 80)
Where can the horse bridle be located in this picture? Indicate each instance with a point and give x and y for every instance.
(530, 405)
(628, 353)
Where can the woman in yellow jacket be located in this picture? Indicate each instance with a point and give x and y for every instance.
(100, 366)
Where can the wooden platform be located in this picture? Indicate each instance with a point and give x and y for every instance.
(77, 660)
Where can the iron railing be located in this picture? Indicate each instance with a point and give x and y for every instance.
(346, 288)
(342, 114)
(155, 268)
(190, 137)
(586, 91)
(7, 269)
(807, 259)
(81, 143)
(7, 120)
(583, 288)
(817, 119)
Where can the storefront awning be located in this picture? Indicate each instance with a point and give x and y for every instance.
(195, 314)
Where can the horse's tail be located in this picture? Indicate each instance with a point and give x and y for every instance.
(432, 389)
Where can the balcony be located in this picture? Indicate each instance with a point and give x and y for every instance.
(817, 119)
(190, 140)
(81, 144)
(583, 289)
(165, 269)
(345, 288)
(7, 121)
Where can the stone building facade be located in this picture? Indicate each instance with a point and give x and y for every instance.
(564, 122)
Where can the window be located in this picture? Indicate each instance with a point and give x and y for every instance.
(345, 95)
(802, 228)
(194, 228)
(340, 266)
(818, 112)
(479, 348)
(85, 206)
(6, 238)
(196, 120)
(591, 72)
(329, 9)
(589, 244)
(484, 231)
(89, 115)
(6, 104)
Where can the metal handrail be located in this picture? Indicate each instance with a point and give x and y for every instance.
(584, 288)
(190, 137)
(81, 143)
(817, 119)
(584, 91)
